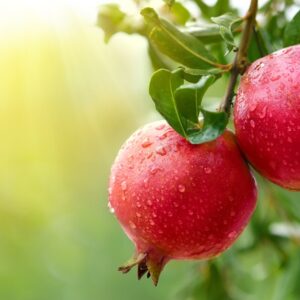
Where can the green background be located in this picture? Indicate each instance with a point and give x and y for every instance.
(67, 103)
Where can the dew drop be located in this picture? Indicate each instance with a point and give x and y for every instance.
(163, 136)
(138, 215)
(146, 143)
(146, 182)
(170, 214)
(191, 212)
(124, 185)
(149, 202)
(154, 170)
(132, 225)
(152, 223)
(154, 215)
(160, 126)
(111, 209)
(232, 234)
(161, 150)
(109, 191)
(275, 77)
(252, 123)
(149, 155)
(181, 188)
(207, 170)
(253, 107)
(263, 113)
(138, 204)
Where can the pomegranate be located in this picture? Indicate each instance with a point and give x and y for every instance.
(176, 200)
(267, 116)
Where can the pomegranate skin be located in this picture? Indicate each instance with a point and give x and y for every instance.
(267, 116)
(176, 200)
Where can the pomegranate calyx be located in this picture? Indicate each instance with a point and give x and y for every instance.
(149, 263)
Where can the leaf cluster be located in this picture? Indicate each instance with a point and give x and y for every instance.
(190, 50)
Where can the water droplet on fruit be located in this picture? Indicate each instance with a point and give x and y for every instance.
(146, 143)
(275, 77)
(154, 215)
(170, 214)
(163, 136)
(138, 204)
(252, 123)
(191, 212)
(181, 188)
(176, 204)
(161, 150)
(152, 223)
(149, 202)
(154, 170)
(132, 225)
(232, 235)
(138, 215)
(207, 170)
(124, 185)
(146, 182)
(263, 112)
(289, 140)
(160, 127)
(253, 107)
(111, 209)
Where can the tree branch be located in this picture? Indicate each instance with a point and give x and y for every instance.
(240, 61)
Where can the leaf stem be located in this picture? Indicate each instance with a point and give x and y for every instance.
(240, 61)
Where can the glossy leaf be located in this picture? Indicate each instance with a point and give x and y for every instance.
(162, 88)
(179, 46)
(188, 98)
(180, 105)
(226, 23)
(292, 31)
(213, 126)
(210, 33)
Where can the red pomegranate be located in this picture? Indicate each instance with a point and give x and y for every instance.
(176, 200)
(267, 116)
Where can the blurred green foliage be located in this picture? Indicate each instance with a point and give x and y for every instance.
(67, 103)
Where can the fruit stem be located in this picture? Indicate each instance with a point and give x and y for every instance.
(240, 61)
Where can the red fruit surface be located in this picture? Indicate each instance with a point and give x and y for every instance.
(176, 200)
(267, 116)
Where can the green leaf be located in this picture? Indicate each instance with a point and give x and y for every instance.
(199, 72)
(213, 126)
(188, 98)
(112, 20)
(181, 47)
(292, 31)
(162, 87)
(226, 23)
(179, 13)
(210, 33)
(180, 105)
(195, 92)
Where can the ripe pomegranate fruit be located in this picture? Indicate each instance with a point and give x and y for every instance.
(176, 200)
(267, 116)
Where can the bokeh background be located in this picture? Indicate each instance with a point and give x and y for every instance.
(67, 103)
